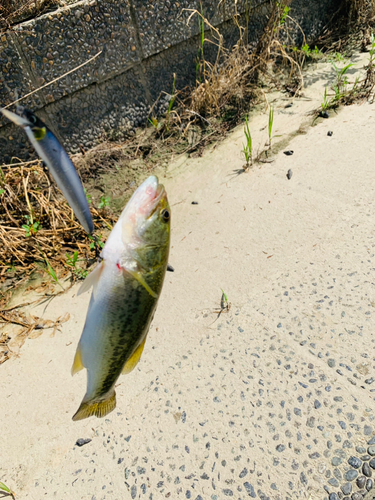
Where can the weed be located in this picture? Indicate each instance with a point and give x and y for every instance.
(326, 103)
(336, 57)
(171, 102)
(270, 124)
(342, 81)
(5, 488)
(154, 122)
(224, 299)
(284, 14)
(200, 64)
(31, 227)
(104, 202)
(51, 271)
(2, 191)
(71, 261)
(248, 147)
(97, 241)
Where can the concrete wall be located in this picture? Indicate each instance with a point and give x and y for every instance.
(143, 42)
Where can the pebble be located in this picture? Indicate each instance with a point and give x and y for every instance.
(81, 441)
(324, 114)
(361, 481)
(331, 363)
(347, 488)
(355, 462)
(357, 496)
(351, 474)
(372, 463)
(289, 174)
(366, 470)
(330, 133)
(194, 203)
(250, 490)
(333, 482)
(336, 461)
(369, 484)
(333, 496)
(170, 268)
(288, 153)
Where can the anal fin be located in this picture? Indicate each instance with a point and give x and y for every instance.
(133, 360)
(77, 363)
(98, 408)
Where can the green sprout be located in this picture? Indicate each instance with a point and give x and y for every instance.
(154, 122)
(270, 123)
(171, 101)
(71, 261)
(96, 241)
(285, 13)
(341, 82)
(326, 102)
(5, 488)
(200, 56)
(104, 202)
(31, 227)
(248, 148)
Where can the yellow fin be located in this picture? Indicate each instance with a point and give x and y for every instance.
(77, 363)
(92, 279)
(97, 408)
(138, 276)
(133, 360)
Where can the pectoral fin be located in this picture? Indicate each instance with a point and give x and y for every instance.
(77, 363)
(92, 279)
(133, 360)
(138, 276)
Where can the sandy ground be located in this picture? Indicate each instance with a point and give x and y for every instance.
(269, 400)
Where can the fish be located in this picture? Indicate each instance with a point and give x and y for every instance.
(58, 163)
(127, 283)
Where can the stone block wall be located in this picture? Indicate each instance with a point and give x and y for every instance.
(143, 43)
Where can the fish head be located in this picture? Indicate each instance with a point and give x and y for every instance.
(152, 215)
(143, 226)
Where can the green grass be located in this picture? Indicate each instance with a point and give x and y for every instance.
(4, 487)
(104, 202)
(248, 147)
(31, 227)
(72, 261)
(270, 124)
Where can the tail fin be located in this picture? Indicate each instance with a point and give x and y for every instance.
(99, 408)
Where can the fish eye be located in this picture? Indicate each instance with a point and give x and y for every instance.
(165, 215)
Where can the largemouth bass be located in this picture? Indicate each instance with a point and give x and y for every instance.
(58, 163)
(126, 286)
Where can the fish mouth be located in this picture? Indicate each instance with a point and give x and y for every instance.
(157, 196)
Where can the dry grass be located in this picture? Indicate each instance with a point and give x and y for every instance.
(15, 11)
(36, 223)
